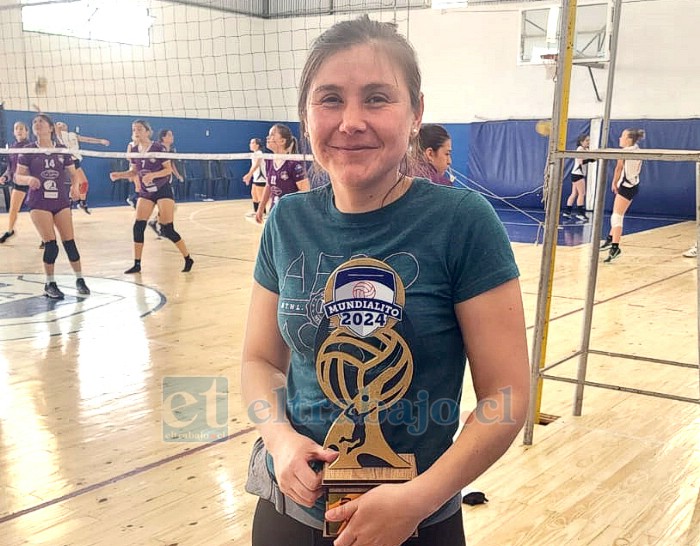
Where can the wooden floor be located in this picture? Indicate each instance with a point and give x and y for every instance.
(83, 459)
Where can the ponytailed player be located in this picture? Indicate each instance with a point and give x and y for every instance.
(152, 179)
(283, 175)
(49, 201)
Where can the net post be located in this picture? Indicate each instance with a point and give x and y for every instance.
(557, 143)
(584, 348)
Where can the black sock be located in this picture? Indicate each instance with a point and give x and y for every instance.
(137, 262)
(568, 209)
(255, 206)
(609, 238)
(615, 246)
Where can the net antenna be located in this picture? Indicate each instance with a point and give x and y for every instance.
(549, 61)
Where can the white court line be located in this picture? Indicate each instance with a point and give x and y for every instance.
(200, 224)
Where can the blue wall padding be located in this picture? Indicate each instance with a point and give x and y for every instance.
(509, 157)
(666, 188)
(225, 136)
(506, 157)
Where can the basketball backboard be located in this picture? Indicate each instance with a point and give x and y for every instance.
(539, 33)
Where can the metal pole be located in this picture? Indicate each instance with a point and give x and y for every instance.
(601, 189)
(557, 142)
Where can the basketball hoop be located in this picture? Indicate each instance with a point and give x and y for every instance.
(549, 60)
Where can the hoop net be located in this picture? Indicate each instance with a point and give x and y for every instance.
(549, 60)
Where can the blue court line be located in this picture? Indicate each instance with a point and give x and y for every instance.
(120, 477)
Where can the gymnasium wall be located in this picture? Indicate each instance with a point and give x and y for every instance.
(235, 76)
(210, 64)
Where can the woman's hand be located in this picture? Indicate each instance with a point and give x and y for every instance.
(246, 178)
(260, 215)
(104, 142)
(384, 516)
(291, 455)
(614, 187)
(147, 178)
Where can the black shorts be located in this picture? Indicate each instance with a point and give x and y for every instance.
(577, 177)
(271, 528)
(76, 164)
(260, 183)
(18, 187)
(628, 193)
(164, 192)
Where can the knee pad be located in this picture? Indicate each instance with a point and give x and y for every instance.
(168, 231)
(71, 250)
(616, 220)
(139, 230)
(50, 251)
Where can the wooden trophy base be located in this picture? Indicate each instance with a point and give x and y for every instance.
(345, 484)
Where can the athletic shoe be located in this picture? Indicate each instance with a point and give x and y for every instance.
(207, 200)
(189, 262)
(250, 214)
(131, 201)
(5, 236)
(83, 290)
(51, 291)
(83, 205)
(134, 269)
(607, 243)
(42, 245)
(154, 226)
(690, 253)
(613, 254)
(581, 216)
(566, 214)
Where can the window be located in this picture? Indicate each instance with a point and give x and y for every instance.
(125, 22)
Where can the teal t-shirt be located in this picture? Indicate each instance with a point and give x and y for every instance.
(368, 299)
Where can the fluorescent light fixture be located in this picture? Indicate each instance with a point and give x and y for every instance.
(124, 22)
(449, 4)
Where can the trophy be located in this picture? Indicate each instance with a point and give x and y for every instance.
(363, 366)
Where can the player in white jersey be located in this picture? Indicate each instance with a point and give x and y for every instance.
(578, 182)
(625, 186)
(72, 141)
(256, 177)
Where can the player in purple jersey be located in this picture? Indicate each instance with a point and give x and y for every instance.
(283, 176)
(49, 201)
(434, 155)
(152, 179)
(19, 192)
(167, 139)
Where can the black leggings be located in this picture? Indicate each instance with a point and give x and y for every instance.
(270, 528)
